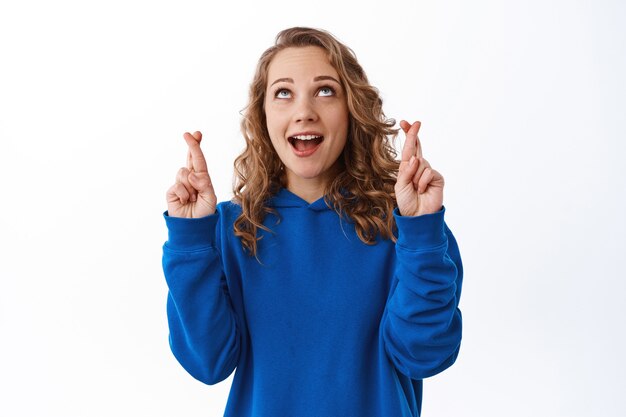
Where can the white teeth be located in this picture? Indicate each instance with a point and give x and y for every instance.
(306, 137)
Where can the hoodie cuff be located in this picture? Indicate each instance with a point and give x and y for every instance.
(191, 234)
(421, 232)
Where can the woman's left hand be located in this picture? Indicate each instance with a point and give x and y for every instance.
(419, 188)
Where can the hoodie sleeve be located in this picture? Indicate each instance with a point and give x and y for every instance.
(203, 332)
(422, 322)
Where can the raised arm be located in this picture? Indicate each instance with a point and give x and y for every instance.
(422, 323)
(204, 335)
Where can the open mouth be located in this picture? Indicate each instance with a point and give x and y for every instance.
(305, 143)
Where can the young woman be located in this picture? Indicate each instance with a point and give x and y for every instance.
(331, 282)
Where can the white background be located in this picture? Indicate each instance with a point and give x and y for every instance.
(523, 111)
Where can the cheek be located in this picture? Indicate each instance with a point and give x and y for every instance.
(274, 121)
(341, 124)
(335, 117)
(341, 117)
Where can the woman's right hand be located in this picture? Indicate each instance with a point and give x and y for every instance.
(192, 196)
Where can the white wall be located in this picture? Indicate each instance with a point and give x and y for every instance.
(523, 108)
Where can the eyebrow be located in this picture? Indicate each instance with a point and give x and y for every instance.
(318, 78)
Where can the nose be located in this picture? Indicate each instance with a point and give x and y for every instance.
(305, 111)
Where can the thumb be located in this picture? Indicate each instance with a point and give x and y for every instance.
(406, 171)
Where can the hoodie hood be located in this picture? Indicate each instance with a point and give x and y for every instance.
(286, 199)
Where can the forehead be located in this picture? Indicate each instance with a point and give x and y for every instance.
(300, 62)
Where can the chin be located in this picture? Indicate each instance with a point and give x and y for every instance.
(307, 174)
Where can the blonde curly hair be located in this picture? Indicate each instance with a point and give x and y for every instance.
(363, 191)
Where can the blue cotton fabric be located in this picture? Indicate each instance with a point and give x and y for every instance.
(320, 324)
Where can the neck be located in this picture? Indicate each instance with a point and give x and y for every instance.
(311, 189)
(307, 191)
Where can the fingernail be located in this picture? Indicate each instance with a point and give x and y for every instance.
(193, 198)
(412, 161)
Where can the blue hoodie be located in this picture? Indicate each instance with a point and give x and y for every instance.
(323, 325)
